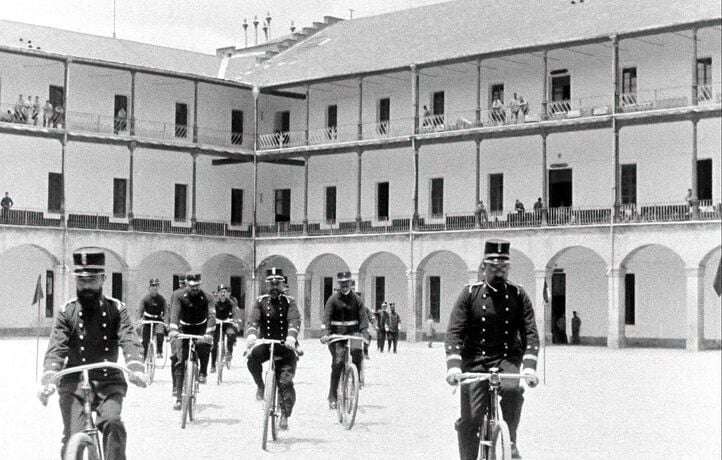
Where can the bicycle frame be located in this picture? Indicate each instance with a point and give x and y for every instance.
(347, 404)
(151, 346)
(191, 360)
(270, 399)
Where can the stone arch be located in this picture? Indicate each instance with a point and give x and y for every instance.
(161, 264)
(577, 281)
(709, 264)
(20, 267)
(393, 270)
(318, 285)
(285, 264)
(230, 270)
(657, 273)
(117, 283)
(440, 277)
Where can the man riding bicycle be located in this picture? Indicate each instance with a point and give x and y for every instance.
(226, 310)
(491, 325)
(275, 316)
(344, 314)
(152, 308)
(191, 313)
(86, 330)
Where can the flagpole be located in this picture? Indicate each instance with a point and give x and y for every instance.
(37, 344)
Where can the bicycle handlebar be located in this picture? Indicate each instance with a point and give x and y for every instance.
(224, 321)
(260, 342)
(151, 321)
(89, 367)
(471, 377)
(338, 337)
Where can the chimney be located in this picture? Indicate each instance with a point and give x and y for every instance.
(268, 22)
(245, 33)
(265, 30)
(293, 27)
(255, 28)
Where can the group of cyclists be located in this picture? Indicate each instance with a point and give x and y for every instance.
(492, 325)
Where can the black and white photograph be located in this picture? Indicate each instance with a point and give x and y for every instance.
(361, 229)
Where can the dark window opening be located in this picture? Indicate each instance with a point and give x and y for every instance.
(120, 113)
(238, 292)
(496, 92)
(120, 196)
(560, 188)
(379, 291)
(330, 205)
(629, 85)
(704, 180)
(561, 94)
(327, 288)
(181, 203)
(56, 95)
(384, 115)
(283, 127)
(236, 206)
(49, 293)
(181, 119)
(332, 121)
(117, 285)
(629, 299)
(382, 200)
(283, 205)
(437, 197)
(496, 192)
(435, 298)
(236, 127)
(55, 192)
(629, 184)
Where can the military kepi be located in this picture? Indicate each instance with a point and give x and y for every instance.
(193, 279)
(88, 263)
(496, 249)
(274, 273)
(343, 276)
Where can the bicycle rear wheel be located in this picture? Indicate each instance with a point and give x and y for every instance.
(340, 396)
(194, 395)
(269, 408)
(500, 442)
(81, 447)
(351, 389)
(150, 362)
(220, 360)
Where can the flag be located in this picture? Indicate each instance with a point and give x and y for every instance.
(38, 296)
(546, 292)
(718, 280)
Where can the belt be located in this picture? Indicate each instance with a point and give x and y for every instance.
(344, 323)
(193, 324)
(148, 315)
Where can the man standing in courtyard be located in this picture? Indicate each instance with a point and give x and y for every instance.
(491, 325)
(382, 321)
(392, 332)
(576, 324)
(152, 308)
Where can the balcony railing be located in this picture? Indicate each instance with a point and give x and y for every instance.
(655, 99)
(95, 123)
(213, 136)
(14, 113)
(28, 217)
(452, 121)
(281, 139)
(391, 128)
(709, 94)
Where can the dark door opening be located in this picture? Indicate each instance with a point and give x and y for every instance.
(332, 121)
(283, 126)
(435, 298)
(117, 285)
(382, 200)
(384, 115)
(236, 127)
(181, 119)
(120, 113)
(559, 333)
(704, 181)
(560, 188)
(239, 294)
(561, 92)
(49, 293)
(379, 291)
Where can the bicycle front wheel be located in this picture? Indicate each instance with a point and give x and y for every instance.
(500, 442)
(194, 394)
(81, 447)
(269, 408)
(187, 396)
(150, 362)
(220, 360)
(350, 400)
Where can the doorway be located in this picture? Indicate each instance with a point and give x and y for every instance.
(560, 188)
(559, 333)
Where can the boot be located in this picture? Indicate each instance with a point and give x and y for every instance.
(260, 393)
(283, 422)
(468, 441)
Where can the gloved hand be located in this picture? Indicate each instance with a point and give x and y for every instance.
(172, 335)
(290, 342)
(208, 338)
(324, 339)
(250, 341)
(44, 392)
(532, 379)
(452, 376)
(138, 378)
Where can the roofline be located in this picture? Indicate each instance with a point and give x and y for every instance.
(509, 51)
(121, 66)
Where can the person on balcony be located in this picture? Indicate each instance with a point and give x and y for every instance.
(6, 203)
(28, 110)
(121, 120)
(497, 111)
(426, 121)
(514, 107)
(58, 116)
(18, 109)
(36, 111)
(480, 213)
(47, 113)
(519, 208)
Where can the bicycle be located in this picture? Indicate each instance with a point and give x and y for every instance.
(86, 443)
(494, 437)
(222, 349)
(270, 395)
(190, 381)
(348, 385)
(150, 354)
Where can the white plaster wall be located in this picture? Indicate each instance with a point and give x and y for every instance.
(712, 302)
(272, 177)
(215, 104)
(455, 163)
(27, 76)
(453, 273)
(390, 267)
(325, 267)
(24, 174)
(155, 174)
(338, 171)
(101, 162)
(214, 184)
(19, 268)
(392, 166)
(519, 159)
(156, 98)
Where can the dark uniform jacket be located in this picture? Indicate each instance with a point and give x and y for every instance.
(393, 322)
(193, 314)
(152, 308)
(345, 314)
(382, 319)
(274, 318)
(228, 310)
(86, 335)
(488, 324)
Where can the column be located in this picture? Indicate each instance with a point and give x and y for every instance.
(474, 276)
(60, 284)
(615, 73)
(415, 96)
(695, 308)
(615, 296)
(541, 307)
(66, 90)
(415, 146)
(545, 86)
(193, 192)
(545, 178)
(358, 190)
(360, 134)
(693, 182)
(132, 103)
(304, 307)
(477, 179)
(256, 91)
(412, 321)
(308, 111)
(305, 193)
(695, 81)
(615, 129)
(131, 152)
(195, 111)
(477, 116)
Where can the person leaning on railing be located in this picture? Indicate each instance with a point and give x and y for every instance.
(491, 325)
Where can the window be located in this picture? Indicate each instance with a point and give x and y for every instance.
(629, 184)
(56, 95)
(629, 85)
(379, 290)
(384, 115)
(181, 119)
(236, 127)
(120, 113)
(327, 289)
(704, 80)
(180, 211)
(435, 298)
(238, 292)
(496, 192)
(437, 103)
(330, 205)
(120, 187)
(560, 188)
(117, 285)
(561, 92)
(176, 281)
(55, 192)
(704, 180)
(382, 201)
(49, 292)
(283, 205)
(437, 197)
(332, 121)
(236, 206)
(496, 91)
(629, 299)
(283, 126)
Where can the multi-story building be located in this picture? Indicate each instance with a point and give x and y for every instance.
(365, 145)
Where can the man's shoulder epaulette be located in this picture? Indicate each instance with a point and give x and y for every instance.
(472, 286)
(118, 304)
(67, 304)
(515, 287)
(261, 297)
(288, 297)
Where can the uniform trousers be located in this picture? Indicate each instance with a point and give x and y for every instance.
(285, 370)
(230, 331)
(158, 329)
(180, 356)
(393, 339)
(338, 355)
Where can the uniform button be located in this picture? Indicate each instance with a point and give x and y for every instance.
(506, 332)
(80, 313)
(105, 337)
(483, 296)
(506, 322)
(81, 336)
(105, 360)
(507, 308)
(106, 348)
(483, 318)
(80, 324)
(505, 355)
(506, 296)
(483, 352)
(483, 329)
(103, 313)
(82, 359)
(483, 307)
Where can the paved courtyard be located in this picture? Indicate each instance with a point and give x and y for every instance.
(596, 403)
